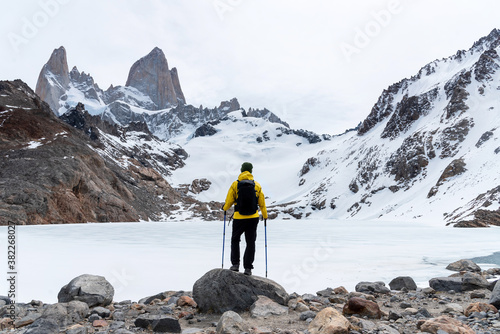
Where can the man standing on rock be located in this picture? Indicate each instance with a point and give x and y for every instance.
(247, 195)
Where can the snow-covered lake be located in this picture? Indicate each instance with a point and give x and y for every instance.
(142, 259)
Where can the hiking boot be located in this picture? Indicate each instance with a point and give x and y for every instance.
(248, 272)
(235, 268)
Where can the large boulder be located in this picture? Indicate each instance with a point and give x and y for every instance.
(464, 265)
(403, 282)
(495, 296)
(91, 289)
(469, 281)
(329, 321)
(221, 290)
(479, 307)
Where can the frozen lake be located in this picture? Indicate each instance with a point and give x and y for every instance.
(142, 259)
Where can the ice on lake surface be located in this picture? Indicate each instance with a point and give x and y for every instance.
(142, 259)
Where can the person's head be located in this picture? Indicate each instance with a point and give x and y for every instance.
(246, 167)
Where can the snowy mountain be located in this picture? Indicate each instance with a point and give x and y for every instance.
(426, 152)
(152, 94)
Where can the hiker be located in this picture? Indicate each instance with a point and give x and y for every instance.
(247, 195)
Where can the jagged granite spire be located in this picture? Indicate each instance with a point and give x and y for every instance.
(53, 80)
(151, 76)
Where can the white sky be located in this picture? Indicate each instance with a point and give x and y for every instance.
(286, 55)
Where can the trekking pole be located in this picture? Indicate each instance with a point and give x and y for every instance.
(223, 239)
(265, 237)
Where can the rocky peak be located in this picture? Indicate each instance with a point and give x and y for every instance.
(150, 75)
(53, 80)
(488, 42)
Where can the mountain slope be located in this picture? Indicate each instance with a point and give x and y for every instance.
(427, 151)
(91, 171)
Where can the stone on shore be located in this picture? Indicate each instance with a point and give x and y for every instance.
(464, 265)
(158, 323)
(372, 287)
(265, 307)
(495, 296)
(445, 324)
(231, 323)
(91, 289)
(362, 307)
(480, 307)
(329, 321)
(403, 282)
(43, 326)
(469, 281)
(221, 290)
(65, 314)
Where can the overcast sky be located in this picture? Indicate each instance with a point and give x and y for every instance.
(318, 64)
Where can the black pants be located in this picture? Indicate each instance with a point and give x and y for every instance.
(249, 227)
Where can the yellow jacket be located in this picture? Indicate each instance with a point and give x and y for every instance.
(232, 195)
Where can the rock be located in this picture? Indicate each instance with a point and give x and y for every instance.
(264, 307)
(91, 289)
(150, 75)
(363, 323)
(453, 308)
(231, 323)
(446, 283)
(464, 265)
(329, 321)
(479, 307)
(158, 323)
(76, 329)
(446, 324)
(362, 307)
(301, 307)
(43, 326)
(53, 79)
(221, 290)
(99, 323)
(474, 281)
(101, 311)
(65, 314)
(403, 282)
(186, 301)
(307, 315)
(495, 296)
(326, 292)
(340, 291)
(370, 287)
(27, 320)
(205, 130)
(477, 295)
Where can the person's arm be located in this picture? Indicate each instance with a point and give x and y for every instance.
(262, 204)
(230, 198)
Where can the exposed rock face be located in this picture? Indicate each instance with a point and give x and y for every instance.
(55, 172)
(222, 290)
(53, 80)
(151, 76)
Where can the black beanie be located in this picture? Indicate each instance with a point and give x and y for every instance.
(246, 167)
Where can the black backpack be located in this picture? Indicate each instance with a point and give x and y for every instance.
(246, 203)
